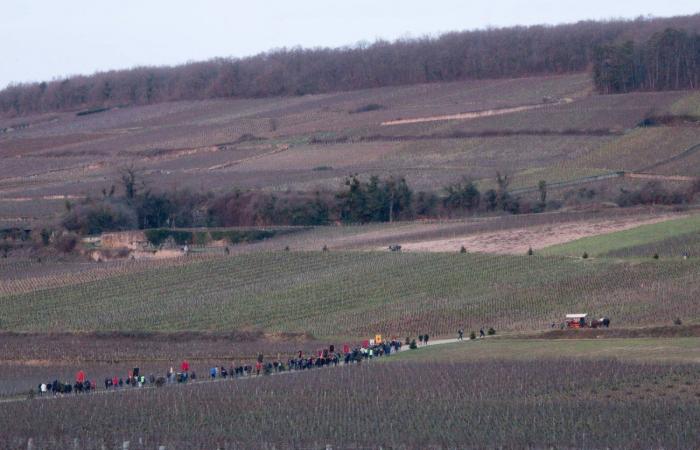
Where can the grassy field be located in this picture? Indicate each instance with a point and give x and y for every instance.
(670, 238)
(358, 293)
(689, 105)
(650, 350)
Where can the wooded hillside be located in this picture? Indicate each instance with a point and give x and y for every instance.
(492, 53)
(669, 60)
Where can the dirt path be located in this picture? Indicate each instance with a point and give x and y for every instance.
(519, 240)
(277, 149)
(651, 176)
(475, 114)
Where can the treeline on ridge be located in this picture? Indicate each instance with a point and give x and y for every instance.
(669, 60)
(491, 53)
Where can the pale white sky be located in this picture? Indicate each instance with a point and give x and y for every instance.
(44, 39)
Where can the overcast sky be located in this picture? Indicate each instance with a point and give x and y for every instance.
(44, 39)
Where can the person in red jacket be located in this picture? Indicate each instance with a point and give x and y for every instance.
(258, 367)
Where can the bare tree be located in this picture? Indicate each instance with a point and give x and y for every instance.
(671, 62)
(129, 179)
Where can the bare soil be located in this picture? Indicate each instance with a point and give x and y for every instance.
(474, 114)
(518, 241)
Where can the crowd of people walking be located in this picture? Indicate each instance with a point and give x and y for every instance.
(330, 356)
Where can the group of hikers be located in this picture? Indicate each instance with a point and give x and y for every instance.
(83, 385)
(330, 356)
(460, 334)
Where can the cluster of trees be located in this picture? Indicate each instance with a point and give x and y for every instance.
(136, 207)
(248, 208)
(653, 193)
(669, 60)
(492, 53)
(375, 200)
(359, 201)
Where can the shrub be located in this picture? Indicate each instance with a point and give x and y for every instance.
(652, 120)
(652, 193)
(490, 199)
(413, 345)
(97, 217)
(472, 335)
(426, 203)
(375, 200)
(91, 111)
(45, 237)
(66, 243)
(159, 235)
(367, 108)
(462, 195)
(656, 256)
(491, 331)
(585, 255)
(238, 236)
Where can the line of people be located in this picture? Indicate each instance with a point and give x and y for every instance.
(301, 361)
(460, 334)
(59, 387)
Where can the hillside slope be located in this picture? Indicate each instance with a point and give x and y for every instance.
(558, 132)
(360, 293)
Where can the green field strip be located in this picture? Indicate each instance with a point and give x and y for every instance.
(644, 234)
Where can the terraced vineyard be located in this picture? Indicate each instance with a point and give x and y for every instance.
(188, 262)
(395, 405)
(359, 293)
(275, 144)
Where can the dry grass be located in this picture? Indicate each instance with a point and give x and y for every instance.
(518, 241)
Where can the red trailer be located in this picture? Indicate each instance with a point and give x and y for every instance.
(576, 321)
(581, 321)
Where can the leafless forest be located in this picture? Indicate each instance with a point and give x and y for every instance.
(494, 53)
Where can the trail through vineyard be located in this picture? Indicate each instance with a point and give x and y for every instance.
(341, 364)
